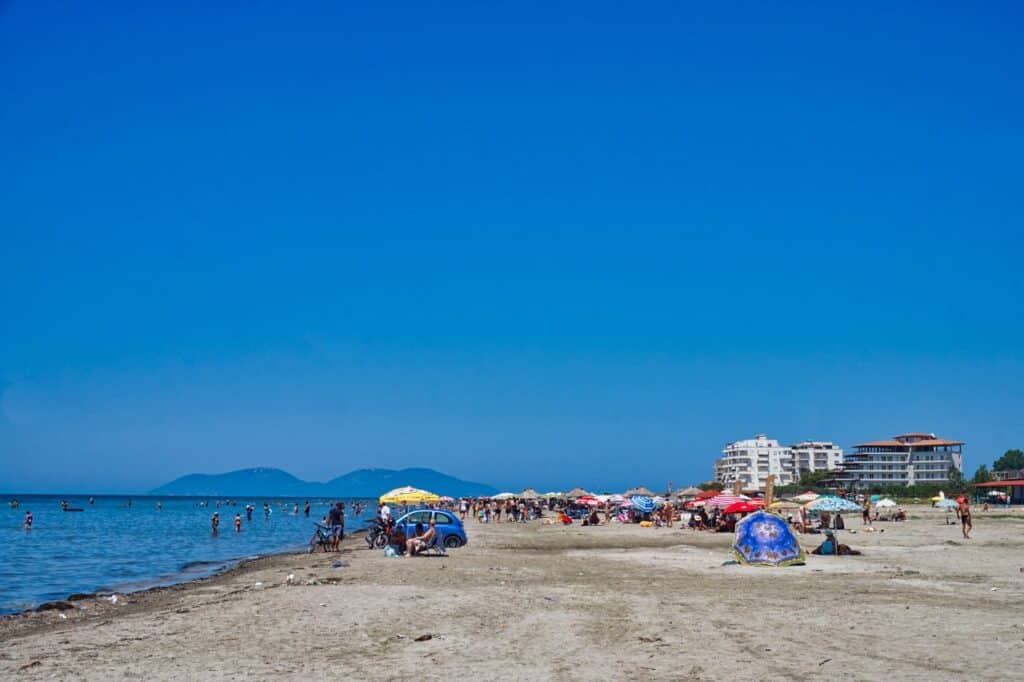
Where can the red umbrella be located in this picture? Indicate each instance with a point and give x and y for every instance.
(706, 494)
(742, 507)
(589, 501)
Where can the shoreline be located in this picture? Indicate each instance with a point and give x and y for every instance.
(75, 600)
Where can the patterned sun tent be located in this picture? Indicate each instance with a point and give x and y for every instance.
(764, 539)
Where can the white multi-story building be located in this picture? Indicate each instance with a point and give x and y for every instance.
(907, 459)
(816, 455)
(751, 462)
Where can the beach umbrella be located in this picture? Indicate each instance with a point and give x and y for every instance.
(578, 492)
(689, 492)
(408, 495)
(946, 503)
(616, 499)
(764, 539)
(743, 507)
(882, 504)
(705, 494)
(832, 504)
(642, 502)
(554, 494)
(639, 490)
(504, 496)
(588, 500)
(806, 497)
(445, 498)
(938, 498)
(529, 494)
(722, 501)
(783, 505)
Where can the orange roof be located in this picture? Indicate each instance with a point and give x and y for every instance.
(882, 444)
(1012, 482)
(930, 442)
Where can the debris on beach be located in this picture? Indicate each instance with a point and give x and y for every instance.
(424, 638)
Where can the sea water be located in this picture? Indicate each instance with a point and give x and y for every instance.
(111, 546)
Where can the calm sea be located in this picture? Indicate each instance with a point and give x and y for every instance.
(111, 546)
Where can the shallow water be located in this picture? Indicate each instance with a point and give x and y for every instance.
(110, 546)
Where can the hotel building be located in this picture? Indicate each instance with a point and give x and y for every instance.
(816, 455)
(751, 462)
(908, 459)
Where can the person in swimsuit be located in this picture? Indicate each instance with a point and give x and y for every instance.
(965, 518)
(215, 523)
(28, 520)
(421, 540)
(238, 523)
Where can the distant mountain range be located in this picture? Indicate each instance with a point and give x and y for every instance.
(359, 483)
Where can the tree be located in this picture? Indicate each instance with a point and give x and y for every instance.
(711, 485)
(1012, 460)
(956, 477)
(982, 475)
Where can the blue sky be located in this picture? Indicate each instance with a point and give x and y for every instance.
(548, 245)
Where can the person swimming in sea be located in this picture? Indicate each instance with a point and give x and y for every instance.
(28, 520)
(305, 509)
(238, 523)
(215, 522)
(248, 511)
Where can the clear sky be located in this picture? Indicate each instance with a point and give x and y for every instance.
(540, 244)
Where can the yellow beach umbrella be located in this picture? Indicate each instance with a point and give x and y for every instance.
(408, 495)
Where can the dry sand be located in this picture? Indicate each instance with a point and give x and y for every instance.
(554, 603)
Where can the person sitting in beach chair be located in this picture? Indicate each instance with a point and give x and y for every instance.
(592, 520)
(423, 540)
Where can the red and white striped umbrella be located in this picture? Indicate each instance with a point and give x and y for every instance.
(722, 501)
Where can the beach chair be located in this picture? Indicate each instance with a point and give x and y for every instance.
(435, 547)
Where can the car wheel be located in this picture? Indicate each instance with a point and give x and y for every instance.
(452, 541)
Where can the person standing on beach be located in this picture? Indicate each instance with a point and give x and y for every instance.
(238, 523)
(336, 522)
(215, 523)
(865, 514)
(28, 520)
(964, 510)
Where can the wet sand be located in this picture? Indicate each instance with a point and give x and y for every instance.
(547, 602)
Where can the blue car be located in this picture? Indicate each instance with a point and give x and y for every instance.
(447, 524)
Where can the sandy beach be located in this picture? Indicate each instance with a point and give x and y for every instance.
(546, 602)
